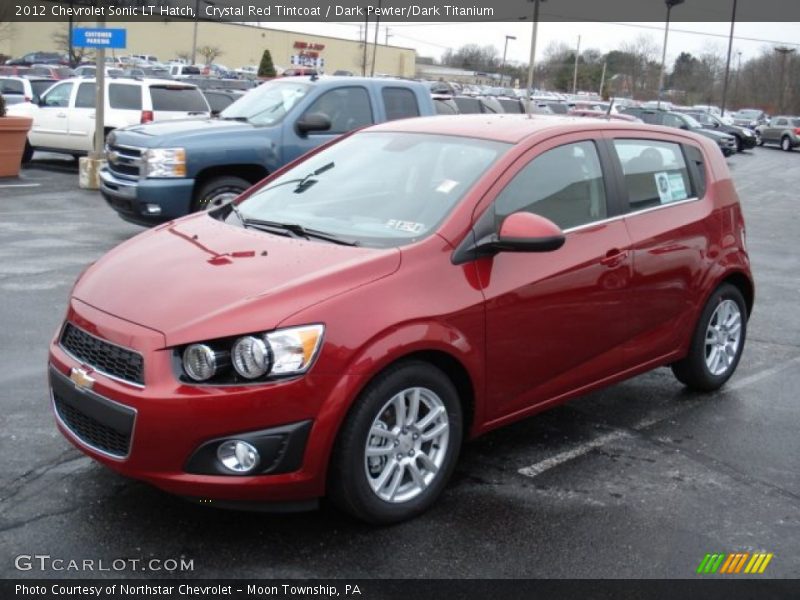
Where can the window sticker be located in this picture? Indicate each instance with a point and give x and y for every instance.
(446, 186)
(670, 187)
(407, 226)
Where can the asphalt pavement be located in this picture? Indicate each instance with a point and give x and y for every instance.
(638, 480)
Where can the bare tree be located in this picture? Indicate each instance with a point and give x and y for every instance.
(209, 53)
(61, 41)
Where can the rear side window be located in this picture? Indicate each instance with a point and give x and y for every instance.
(11, 86)
(564, 184)
(655, 173)
(177, 98)
(697, 168)
(400, 103)
(348, 108)
(86, 96)
(125, 97)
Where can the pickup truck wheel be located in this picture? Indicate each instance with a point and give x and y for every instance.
(27, 154)
(786, 144)
(218, 191)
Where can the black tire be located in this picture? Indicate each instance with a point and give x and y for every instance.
(693, 371)
(218, 191)
(759, 139)
(348, 485)
(786, 144)
(27, 153)
(739, 144)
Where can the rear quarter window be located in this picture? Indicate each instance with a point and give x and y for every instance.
(177, 98)
(125, 97)
(11, 86)
(400, 103)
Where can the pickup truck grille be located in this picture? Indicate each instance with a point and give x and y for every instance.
(125, 161)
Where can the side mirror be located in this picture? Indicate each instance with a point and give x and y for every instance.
(313, 122)
(716, 124)
(526, 232)
(36, 100)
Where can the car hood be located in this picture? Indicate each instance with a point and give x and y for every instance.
(713, 133)
(199, 279)
(179, 132)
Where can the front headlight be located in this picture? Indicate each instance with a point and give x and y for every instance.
(256, 357)
(165, 162)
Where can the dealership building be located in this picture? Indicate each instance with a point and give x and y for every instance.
(241, 45)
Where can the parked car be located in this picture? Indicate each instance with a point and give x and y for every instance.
(783, 131)
(23, 89)
(51, 71)
(258, 376)
(557, 107)
(445, 105)
(219, 100)
(478, 104)
(90, 71)
(177, 71)
(512, 105)
(162, 171)
(726, 142)
(745, 138)
(64, 117)
(300, 72)
(33, 58)
(597, 114)
(750, 117)
(13, 70)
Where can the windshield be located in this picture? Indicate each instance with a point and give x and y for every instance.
(375, 189)
(268, 104)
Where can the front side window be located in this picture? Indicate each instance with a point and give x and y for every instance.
(377, 189)
(348, 108)
(564, 184)
(58, 96)
(655, 173)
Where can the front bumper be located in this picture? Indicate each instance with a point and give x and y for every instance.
(160, 432)
(133, 199)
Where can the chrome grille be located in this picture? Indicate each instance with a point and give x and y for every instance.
(125, 161)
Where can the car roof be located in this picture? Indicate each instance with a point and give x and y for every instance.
(509, 128)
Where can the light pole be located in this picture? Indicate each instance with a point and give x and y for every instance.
(738, 73)
(784, 51)
(533, 52)
(503, 66)
(196, 21)
(670, 4)
(728, 63)
(575, 70)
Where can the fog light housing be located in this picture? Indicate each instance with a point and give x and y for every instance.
(238, 456)
(152, 209)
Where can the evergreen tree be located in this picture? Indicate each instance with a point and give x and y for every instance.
(266, 68)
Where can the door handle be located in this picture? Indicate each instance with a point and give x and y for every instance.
(614, 257)
(61, 115)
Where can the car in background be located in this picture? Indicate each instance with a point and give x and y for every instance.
(725, 142)
(513, 105)
(16, 90)
(746, 138)
(300, 72)
(64, 117)
(177, 71)
(343, 73)
(598, 114)
(445, 105)
(237, 356)
(52, 71)
(219, 100)
(478, 104)
(557, 107)
(783, 131)
(750, 117)
(33, 58)
(90, 71)
(14, 70)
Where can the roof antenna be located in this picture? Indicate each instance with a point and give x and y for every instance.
(610, 106)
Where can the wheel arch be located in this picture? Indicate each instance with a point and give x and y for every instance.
(247, 171)
(744, 284)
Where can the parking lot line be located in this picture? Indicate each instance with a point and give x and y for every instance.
(19, 185)
(540, 467)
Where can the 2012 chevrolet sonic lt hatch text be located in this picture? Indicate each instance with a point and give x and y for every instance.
(347, 323)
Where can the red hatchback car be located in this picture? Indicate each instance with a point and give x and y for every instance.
(349, 321)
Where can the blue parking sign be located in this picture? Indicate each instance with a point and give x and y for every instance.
(85, 37)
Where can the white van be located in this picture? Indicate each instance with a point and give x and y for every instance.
(64, 117)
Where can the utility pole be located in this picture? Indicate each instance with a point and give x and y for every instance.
(738, 73)
(784, 51)
(375, 45)
(728, 63)
(503, 65)
(603, 78)
(670, 4)
(388, 35)
(366, 43)
(533, 53)
(575, 70)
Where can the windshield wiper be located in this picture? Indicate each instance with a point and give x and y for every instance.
(295, 230)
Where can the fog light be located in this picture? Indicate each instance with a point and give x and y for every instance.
(152, 209)
(238, 456)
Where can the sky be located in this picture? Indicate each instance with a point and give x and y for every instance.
(432, 39)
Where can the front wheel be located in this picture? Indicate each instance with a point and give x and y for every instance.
(717, 342)
(739, 145)
(218, 191)
(399, 445)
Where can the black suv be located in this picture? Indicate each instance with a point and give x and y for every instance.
(745, 137)
(726, 142)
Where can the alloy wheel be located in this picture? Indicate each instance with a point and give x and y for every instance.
(723, 337)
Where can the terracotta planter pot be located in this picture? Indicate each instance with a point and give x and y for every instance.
(13, 133)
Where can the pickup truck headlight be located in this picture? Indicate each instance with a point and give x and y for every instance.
(251, 358)
(165, 162)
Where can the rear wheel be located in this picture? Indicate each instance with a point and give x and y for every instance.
(218, 191)
(739, 144)
(398, 446)
(27, 153)
(717, 343)
(786, 144)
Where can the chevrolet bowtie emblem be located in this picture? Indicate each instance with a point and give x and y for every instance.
(81, 378)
